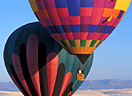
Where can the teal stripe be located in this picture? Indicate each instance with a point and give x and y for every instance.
(72, 42)
(82, 43)
(99, 43)
(92, 43)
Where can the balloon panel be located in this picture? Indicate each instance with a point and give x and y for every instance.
(39, 66)
(80, 26)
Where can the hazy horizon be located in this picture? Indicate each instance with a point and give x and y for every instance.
(111, 60)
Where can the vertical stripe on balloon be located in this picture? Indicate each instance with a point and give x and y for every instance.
(32, 60)
(18, 70)
(66, 81)
(52, 69)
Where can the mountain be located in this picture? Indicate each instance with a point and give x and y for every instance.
(87, 85)
(8, 86)
(106, 84)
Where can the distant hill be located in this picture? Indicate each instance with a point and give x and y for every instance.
(89, 84)
(8, 86)
(106, 84)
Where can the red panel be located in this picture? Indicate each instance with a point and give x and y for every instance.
(85, 20)
(96, 18)
(40, 14)
(83, 35)
(101, 36)
(96, 36)
(110, 4)
(90, 36)
(105, 36)
(76, 35)
(49, 4)
(18, 70)
(65, 83)
(117, 21)
(52, 68)
(75, 20)
(63, 35)
(45, 23)
(63, 12)
(65, 20)
(85, 11)
(40, 4)
(99, 3)
(69, 35)
(32, 61)
(54, 16)
(44, 17)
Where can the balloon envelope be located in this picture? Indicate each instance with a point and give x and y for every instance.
(39, 66)
(80, 26)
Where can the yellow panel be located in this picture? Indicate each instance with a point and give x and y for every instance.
(88, 42)
(86, 50)
(74, 50)
(78, 49)
(77, 43)
(122, 4)
(33, 5)
(83, 50)
(91, 49)
(97, 42)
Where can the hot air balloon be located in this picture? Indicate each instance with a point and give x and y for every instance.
(80, 26)
(39, 66)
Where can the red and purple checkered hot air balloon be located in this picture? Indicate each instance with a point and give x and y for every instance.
(80, 26)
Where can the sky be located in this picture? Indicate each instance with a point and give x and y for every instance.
(112, 59)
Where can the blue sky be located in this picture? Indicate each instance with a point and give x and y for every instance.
(112, 60)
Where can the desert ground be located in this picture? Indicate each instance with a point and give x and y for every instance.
(102, 92)
(7, 93)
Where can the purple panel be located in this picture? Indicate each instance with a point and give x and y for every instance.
(120, 14)
(99, 3)
(100, 28)
(76, 35)
(40, 5)
(18, 70)
(110, 4)
(84, 28)
(32, 61)
(90, 36)
(85, 20)
(49, 4)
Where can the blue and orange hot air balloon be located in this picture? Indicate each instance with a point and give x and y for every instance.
(80, 26)
(39, 66)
